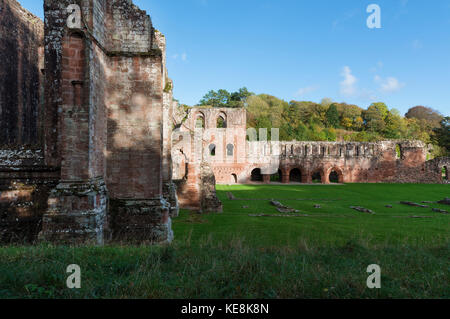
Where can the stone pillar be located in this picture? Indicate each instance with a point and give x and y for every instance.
(77, 207)
(266, 179)
(285, 178)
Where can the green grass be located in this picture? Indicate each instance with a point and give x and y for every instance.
(233, 255)
(333, 224)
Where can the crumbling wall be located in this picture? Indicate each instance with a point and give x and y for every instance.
(108, 81)
(386, 161)
(21, 59)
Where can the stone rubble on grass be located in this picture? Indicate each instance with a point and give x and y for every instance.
(445, 201)
(282, 208)
(414, 204)
(362, 210)
(389, 206)
(437, 210)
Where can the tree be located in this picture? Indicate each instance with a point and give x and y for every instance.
(239, 98)
(332, 116)
(220, 98)
(427, 114)
(442, 135)
(374, 117)
(395, 127)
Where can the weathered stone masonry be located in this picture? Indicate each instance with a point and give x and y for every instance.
(233, 159)
(104, 153)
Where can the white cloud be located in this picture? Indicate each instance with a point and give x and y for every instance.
(182, 56)
(390, 84)
(306, 90)
(348, 85)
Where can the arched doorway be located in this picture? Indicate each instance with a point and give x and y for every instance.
(445, 173)
(295, 176)
(234, 179)
(256, 175)
(276, 178)
(222, 121)
(317, 178)
(200, 122)
(335, 176)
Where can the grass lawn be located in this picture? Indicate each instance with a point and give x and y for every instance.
(322, 253)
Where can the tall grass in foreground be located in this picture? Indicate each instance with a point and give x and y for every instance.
(231, 269)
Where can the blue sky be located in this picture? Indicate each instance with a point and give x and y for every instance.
(307, 50)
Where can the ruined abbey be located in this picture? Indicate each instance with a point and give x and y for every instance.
(93, 147)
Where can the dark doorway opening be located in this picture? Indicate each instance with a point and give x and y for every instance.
(276, 177)
(295, 176)
(317, 178)
(256, 175)
(234, 179)
(445, 173)
(334, 177)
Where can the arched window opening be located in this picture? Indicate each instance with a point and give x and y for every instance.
(292, 149)
(276, 177)
(445, 173)
(317, 178)
(398, 151)
(334, 177)
(221, 122)
(200, 122)
(212, 150)
(234, 179)
(306, 150)
(295, 176)
(230, 150)
(357, 151)
(256, 175)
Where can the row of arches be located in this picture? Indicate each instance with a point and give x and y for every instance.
(334, 176)
(221, 121)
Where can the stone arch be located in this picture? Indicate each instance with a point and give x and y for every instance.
(200, 120)
(317, 177)
(230, 150)
(277, 177)
(295, 175)
(234, 179)
(221, 120)
(256, 175)
(335, 175)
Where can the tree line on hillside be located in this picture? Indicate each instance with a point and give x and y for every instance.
(332, 121)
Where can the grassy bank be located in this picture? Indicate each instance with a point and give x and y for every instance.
(322, 254)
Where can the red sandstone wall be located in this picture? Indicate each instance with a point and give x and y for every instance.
(20, 71)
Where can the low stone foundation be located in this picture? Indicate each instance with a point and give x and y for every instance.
(141, 221)
(77, 213)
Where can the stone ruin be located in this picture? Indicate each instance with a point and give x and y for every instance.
(220, 137)
(86, 125)
(93, 147)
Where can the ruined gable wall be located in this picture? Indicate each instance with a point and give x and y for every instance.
(21, 40)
